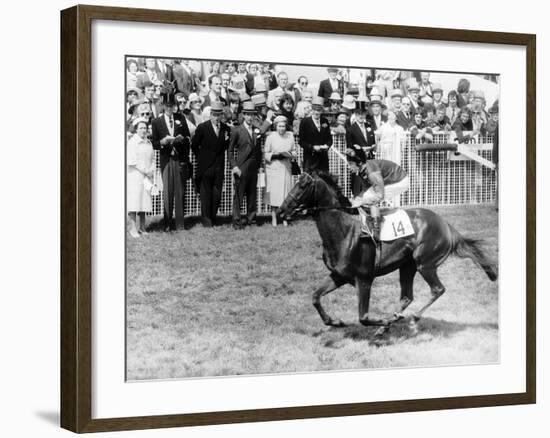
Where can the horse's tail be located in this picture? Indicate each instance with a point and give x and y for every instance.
(465, 247)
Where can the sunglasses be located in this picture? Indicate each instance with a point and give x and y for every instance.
(145, 114)
(303, 83)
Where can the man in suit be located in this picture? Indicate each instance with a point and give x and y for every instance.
(154, 102)
(405, 115)
(171, 137)
(245, 156)
(376, 116)
(184, 78)
(331, 85)
(315, 138)
(151, 73)
(215, 84)
(283, 87)
(360, 137)
(209, 145)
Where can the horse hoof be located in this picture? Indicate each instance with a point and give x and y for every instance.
(416, 318)
(381, 331)
(337, 323)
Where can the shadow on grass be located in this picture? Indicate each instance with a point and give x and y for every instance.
(403, 330)
(156, 223)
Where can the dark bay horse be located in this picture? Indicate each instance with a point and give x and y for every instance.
(351, 260)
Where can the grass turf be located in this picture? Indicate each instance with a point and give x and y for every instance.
(211, 302)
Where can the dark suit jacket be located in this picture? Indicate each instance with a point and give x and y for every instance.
(208, 148)
(325, 89)
(249, 84)
(243, 147)
(355, 136)
(180, 147)
(309, 137)
(404, 121)
(383, 119)
(185, 83)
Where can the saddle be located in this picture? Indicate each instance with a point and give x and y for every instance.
(395, 224)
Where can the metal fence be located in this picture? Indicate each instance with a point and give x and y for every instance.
(437, 177)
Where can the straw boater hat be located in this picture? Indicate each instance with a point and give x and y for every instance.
(377, 102)
(375, 94)
(216, 107)
(258, 100)
(335, 96)
(318, 101)
(396, 92)
(248, 107)
(349, 102)
(245, 98)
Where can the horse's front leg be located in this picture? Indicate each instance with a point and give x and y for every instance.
(330, 284)
(364, 286)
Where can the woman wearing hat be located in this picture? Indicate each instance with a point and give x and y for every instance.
(140, 161)
(279, 150)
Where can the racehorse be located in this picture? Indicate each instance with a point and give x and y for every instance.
(353, 260)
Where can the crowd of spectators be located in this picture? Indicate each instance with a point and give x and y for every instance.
(216, 108)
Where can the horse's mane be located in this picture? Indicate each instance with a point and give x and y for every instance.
(331, 181)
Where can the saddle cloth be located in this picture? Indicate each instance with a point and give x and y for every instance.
(395, 225)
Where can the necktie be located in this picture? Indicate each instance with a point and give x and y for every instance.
(171, 123)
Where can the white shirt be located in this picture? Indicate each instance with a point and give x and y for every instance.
(170, 129)
(334, 84)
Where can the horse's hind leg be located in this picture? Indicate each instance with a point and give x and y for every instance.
(436, 287)
(330, 284)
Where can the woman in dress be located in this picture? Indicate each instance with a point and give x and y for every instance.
(388, 137)
(140, 160)
(279, 150)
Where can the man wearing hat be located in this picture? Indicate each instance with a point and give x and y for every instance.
(413, 91)
(396, 95)
(383, 180)
(209, 145)
(171, 138)
(260, 120)
(360, 137)
(330, 85)
(315, 138)
(376, 117)
(245, 157)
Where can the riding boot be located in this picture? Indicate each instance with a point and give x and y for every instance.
(375, 215)
(376, 228)
(366, 224)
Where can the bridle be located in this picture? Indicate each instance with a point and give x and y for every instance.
(301, 207)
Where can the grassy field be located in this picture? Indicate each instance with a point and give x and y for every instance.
(209, 302)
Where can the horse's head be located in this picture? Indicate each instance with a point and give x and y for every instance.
(300, 197)
(316, 189)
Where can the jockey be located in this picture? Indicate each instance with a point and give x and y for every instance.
(384, 179)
